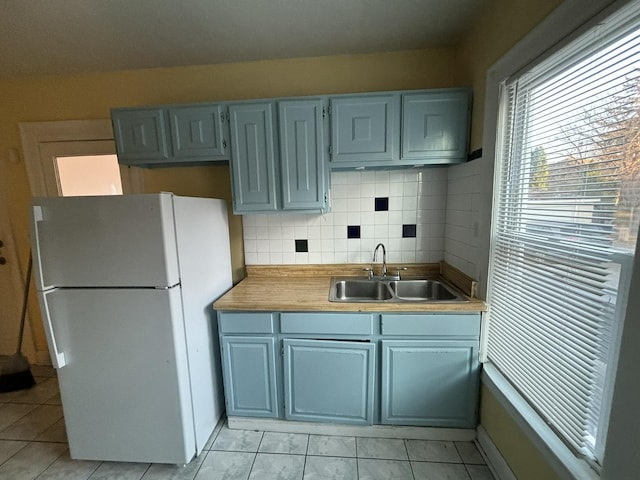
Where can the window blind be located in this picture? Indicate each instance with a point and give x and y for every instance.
(567, 209)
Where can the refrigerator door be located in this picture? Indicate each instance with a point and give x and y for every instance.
(110, 241)
(125, 386)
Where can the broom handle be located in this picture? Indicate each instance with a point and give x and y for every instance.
(25, 300)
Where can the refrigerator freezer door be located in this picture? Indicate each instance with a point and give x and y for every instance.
(125, 386)
(111, 241)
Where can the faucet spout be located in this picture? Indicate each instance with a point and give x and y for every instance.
(384, 258)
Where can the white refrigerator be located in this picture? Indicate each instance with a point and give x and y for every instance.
(126, 286)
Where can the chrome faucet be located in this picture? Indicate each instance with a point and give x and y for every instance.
(384, 258)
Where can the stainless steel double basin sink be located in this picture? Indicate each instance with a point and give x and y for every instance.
(381, 290)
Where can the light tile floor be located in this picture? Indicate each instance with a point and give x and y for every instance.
(33, 445)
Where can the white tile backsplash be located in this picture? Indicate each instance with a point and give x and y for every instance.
(461, 229)
(416, 196)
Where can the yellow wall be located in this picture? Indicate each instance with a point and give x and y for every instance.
(501, 24)
(524, 459)
(79, 97)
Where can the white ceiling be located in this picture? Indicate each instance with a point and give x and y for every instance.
(41, 37)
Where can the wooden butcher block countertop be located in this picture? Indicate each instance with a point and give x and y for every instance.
(285, 288)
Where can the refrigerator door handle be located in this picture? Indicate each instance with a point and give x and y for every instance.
(37, 218)
(58, 358)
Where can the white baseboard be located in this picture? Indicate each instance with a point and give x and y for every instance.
(377, 431)
(495, 461)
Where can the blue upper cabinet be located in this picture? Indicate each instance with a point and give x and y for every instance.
(197, 131)
(170, 136)
(364, 130)
(302, 159)
(435, 126)
(140, 135)
(253, 160)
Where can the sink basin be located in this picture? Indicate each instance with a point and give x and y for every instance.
(391, 291)
(361, 291)
(431, 290)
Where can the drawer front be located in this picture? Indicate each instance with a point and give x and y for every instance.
(248, 322)
(440, 325)
(327, 323)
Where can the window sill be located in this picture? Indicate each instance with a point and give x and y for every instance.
(559, 456)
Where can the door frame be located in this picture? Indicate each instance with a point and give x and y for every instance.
(34, 134)
(39, 141)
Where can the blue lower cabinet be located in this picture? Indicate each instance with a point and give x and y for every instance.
(249, 370)
(329, 381)
(429, 382)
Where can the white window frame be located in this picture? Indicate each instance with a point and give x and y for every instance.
(571, 19)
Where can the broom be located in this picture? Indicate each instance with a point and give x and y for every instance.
(15, 373)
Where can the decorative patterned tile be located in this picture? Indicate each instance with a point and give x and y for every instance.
(33, 424)
(64, 468)
(291, 443)
(470, 453)
(383, 470)
(220, 425)
(226, 465)
(31, 461)
(269, 466)
(55, 433)
(332, 446)
(439, 471)
(330, 468)
(12, 412)
(120, 471)
(383, 448)
(237, 440)
(8, 448)
(479, 472)
(432, 451)
(175, 472)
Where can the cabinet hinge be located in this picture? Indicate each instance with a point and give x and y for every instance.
(222, 116)
(330, 150)
(282, 352)
(329, 108)
(227, 116)
(324, 112)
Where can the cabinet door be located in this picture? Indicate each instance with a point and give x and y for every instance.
(329, 381)
(140, 135)
(197, 132)
(427, 382)
(249, 367)
(302, 167)
(364, 130)
(253, 155)
(435, 126)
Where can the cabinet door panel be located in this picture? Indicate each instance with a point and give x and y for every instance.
(253, 159)
(435, 126)
(329, 381)
(249, 367)
(364, 129)
(429, 383)
(197, 131)
(140, 135)
(302, 154)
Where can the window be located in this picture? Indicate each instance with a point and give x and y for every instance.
(567, 211)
